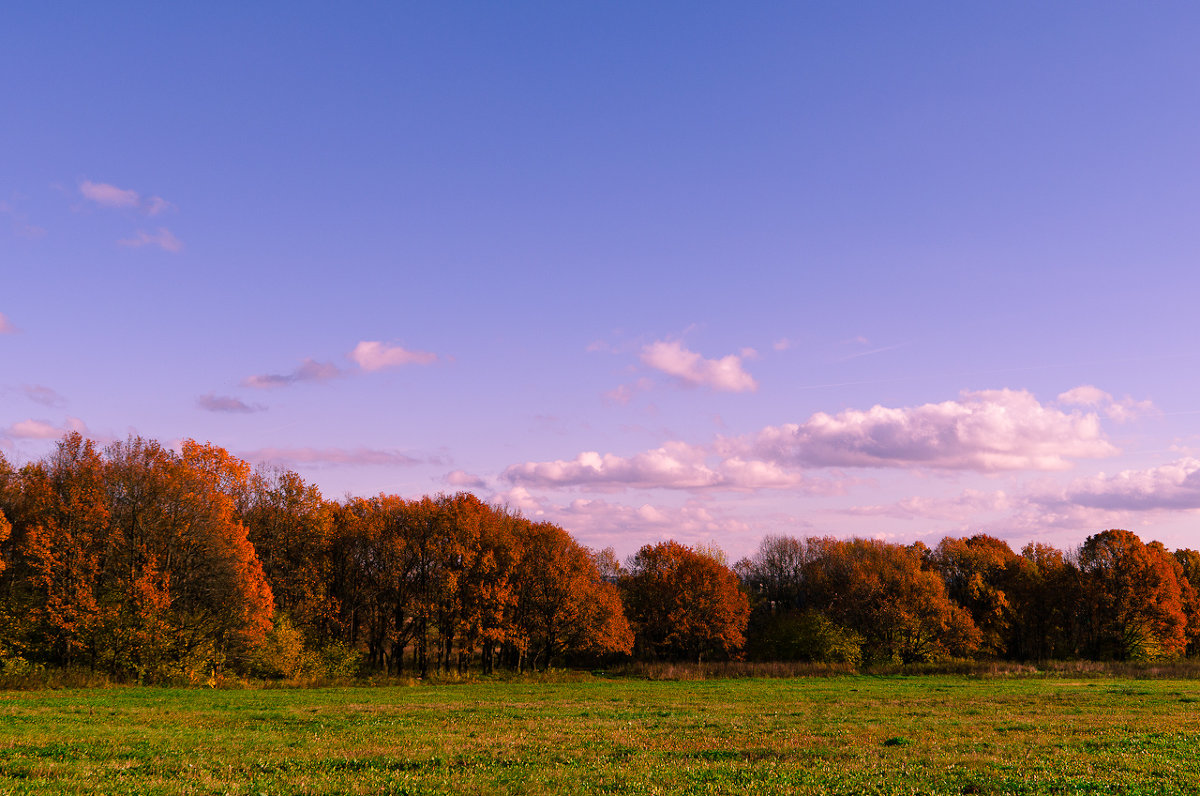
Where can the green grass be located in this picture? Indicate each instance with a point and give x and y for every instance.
(934, 734)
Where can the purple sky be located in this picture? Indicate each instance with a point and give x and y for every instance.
(655, 270)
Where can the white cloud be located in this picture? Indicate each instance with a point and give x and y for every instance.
(373, 355)
(462, 478)
(107, 195)
(6, 326)
(675, 465)
(1120, 411)
(986, 431)
(724, 374)
(225, 403)
(162, 238)
(42, 429)
(1175, 485)
(309, 370)
(111, 196)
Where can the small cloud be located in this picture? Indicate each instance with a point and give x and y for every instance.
(6, 326)
(111, 196)
(688, 367)
(1120, 411)
(309, 370)
(41, 429)
(225, 403)
(107, 195)
(43, 395)
(782, 344)
(461, 478)
(371, 355)
(163, 238)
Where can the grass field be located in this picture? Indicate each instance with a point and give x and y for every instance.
(931, 734)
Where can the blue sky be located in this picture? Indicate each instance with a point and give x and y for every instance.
(702, 271)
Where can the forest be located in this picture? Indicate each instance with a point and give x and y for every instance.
(151, 564)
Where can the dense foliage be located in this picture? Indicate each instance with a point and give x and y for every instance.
(153, 564)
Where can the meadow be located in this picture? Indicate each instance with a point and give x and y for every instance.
(597, 735)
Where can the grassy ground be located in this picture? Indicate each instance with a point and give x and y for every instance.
(934, 734)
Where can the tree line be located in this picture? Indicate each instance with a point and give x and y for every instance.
(156, 564)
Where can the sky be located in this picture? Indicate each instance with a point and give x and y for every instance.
(702, 271)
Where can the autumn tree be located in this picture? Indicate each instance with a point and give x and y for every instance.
(291, 528)
(1133, 601)
(563, 605)
(977, 572)
(194, 591)
(1044, 594)
(683, 604)
(880, 591)
(1189, 569)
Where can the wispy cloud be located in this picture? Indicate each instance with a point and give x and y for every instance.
(43, 395)
(331, 456)
(870, 352)
(20, 222)
(162, 238)
(7, 326)
(371, 355)
(309, 370)
(225, 403)
(691, 369)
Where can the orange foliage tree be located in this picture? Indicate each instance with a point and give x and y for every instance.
(563, 605)
(977, 572)
(880, 591)
(684, 604)
(1133, 598)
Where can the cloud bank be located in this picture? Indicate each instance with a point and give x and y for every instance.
(985, 431)
(330, 456)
